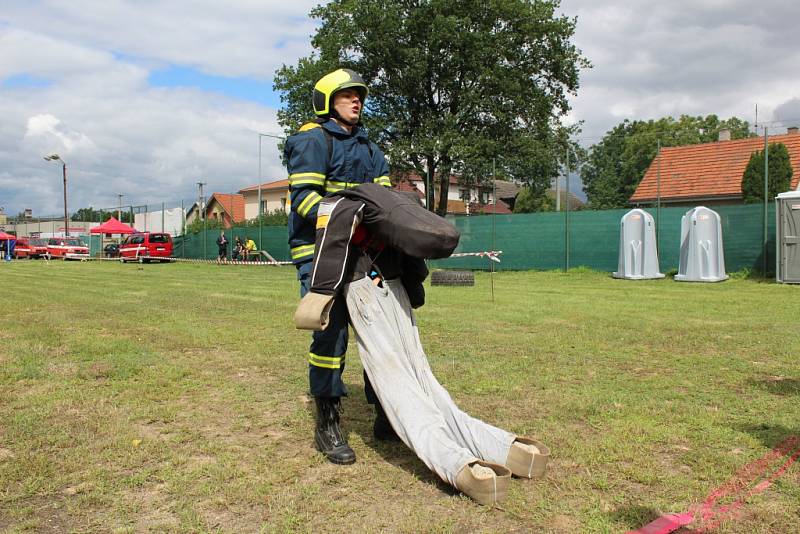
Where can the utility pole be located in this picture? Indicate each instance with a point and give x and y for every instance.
(202, 207)
(119, 209)
(56, 157)
(201, 200)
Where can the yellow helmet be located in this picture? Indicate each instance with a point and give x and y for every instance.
(331, 83)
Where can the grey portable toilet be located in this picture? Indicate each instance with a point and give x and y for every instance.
(702, 258)
(787, 233)
(638, 254)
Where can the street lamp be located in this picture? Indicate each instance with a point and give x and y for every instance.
(56, 157)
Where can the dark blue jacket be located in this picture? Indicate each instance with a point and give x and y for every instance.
(314, 172)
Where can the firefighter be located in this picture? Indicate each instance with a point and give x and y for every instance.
(328, 155)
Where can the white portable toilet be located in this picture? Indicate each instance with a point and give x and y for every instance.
(702, 258)
(787, 234)
(638, 254)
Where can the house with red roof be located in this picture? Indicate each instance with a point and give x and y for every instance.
(228, 208)
(274, 196)
(461, 200)
(710, 173)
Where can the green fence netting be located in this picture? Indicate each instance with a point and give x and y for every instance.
(539, 240)
(203, 245)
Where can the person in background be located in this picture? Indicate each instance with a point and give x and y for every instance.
(222, 245)
(237, 248)
(249, 247)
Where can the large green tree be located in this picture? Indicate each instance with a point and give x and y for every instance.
(529, 201)
(619, 161)
(780, 174)
(454, 84)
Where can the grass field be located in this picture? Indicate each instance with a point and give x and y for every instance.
(172, 398)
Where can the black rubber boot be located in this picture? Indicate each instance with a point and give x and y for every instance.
(327, 434)
(382, 428)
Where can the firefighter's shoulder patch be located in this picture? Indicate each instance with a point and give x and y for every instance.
(309, 126)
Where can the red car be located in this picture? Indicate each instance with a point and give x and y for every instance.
(67, 248)
(30, 247)
(146, 246)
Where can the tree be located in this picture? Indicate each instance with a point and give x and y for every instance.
(619, 161)
(92, 215)
(780, 174)
(529, 202)
(454, 84)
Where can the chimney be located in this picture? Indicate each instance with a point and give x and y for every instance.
(792, 130)
(724, 134)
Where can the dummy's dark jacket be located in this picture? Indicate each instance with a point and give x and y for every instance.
(400, 235)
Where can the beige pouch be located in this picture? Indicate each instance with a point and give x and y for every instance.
(484, 482)
(313, 312)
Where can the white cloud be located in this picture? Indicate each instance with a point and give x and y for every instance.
(95, 108)
(87, 96)
(653, 58)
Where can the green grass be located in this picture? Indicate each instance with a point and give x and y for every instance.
(173, 398)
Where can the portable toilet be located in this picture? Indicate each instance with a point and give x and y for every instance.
(638, 254)
(787, 233)
(702, 258)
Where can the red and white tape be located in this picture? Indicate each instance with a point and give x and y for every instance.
(491, 254)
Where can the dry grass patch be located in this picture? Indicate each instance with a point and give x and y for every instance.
(173, 398)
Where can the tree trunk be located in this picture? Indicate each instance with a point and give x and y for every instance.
(430, 186)
(444, 187)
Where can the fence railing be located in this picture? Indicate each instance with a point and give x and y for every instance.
(539, 240)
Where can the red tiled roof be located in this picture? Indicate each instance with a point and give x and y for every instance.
(267, 186)
(412, 177)
(500, 207)
(408, 188)
(710, 170)
(229, 203)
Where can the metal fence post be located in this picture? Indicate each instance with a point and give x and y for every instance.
(766, 190)
(566, 214)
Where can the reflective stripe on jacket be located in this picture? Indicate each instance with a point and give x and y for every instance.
(314, 172)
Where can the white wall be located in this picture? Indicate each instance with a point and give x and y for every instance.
(152, 221)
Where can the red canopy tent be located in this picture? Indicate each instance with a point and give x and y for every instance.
(112, 226)
(6, 247)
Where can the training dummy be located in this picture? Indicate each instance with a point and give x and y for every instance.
(370, 246)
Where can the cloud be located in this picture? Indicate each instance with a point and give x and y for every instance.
(788, 113)
(654, 58)
(50, 127)
(147, 98)
(233, 38)
(118, 133)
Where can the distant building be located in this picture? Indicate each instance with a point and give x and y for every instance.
(710, 173)
(228, 208)
(462, 200)
(274, 196)
(194, 212)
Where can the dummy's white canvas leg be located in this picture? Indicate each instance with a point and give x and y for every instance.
(418, 407)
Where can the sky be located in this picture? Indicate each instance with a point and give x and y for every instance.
(147, 98)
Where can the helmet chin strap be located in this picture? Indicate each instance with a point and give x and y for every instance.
(335, 115)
